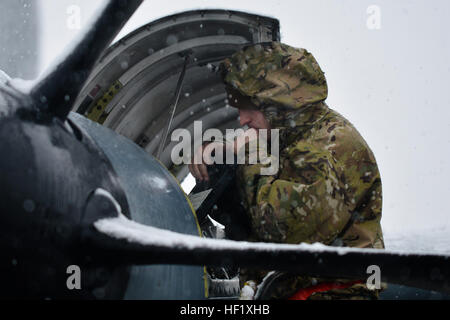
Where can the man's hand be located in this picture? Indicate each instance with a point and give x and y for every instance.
(199, 170)
(203, 157)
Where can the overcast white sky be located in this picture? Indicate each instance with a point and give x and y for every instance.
(388, 72)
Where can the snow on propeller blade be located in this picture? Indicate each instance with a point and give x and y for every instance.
(124, 241)
(46, 169)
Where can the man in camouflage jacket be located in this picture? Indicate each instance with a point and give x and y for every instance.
(328, 186)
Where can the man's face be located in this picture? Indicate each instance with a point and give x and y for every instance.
(253, 118)
(248, 113)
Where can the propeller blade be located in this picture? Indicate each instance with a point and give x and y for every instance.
(57, 92)
(123, 241)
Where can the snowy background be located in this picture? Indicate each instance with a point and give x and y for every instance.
(388, 72)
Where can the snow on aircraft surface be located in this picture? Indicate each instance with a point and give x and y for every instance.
(83, 188)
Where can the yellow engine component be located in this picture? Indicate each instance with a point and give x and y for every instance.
(98, 112)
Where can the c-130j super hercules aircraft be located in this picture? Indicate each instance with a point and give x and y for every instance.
(82, 188)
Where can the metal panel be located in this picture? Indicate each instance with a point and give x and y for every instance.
(154, 199)
(147, 63)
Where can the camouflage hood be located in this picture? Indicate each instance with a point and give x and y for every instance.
(281, 81)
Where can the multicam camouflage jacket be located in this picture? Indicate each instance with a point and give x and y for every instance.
(328, 186)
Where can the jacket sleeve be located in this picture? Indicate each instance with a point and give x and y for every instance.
(303, 202)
